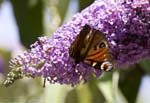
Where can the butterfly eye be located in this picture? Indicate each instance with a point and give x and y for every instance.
(106, 66)
(101, 45)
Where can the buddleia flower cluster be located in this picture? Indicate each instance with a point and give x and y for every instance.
(125, 23)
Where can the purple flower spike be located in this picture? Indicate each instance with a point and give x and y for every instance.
(126, 24)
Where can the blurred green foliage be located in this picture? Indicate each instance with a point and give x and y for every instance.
(130, 80)
(145, 64)
(55, 14)
(83, 4)
(5, 55)
(1, 2)
(29, 17)
(62, 7)
(118, 86)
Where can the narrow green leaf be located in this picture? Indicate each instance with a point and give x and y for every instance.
(84, 95)
(71, 97)
(29, 17)
(56, 11)
(89, 93)
(5, 56)
(145, 64)
(84, 3)
(129, 82)
(97, 96)
(1, 1)
(55, 93)
(106, 76)
(62, 8)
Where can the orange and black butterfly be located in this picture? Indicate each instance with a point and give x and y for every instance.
(91, 47)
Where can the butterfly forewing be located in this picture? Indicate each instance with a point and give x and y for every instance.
(80, 42)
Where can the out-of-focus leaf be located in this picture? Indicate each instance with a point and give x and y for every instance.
(62, 8)
(108, 85)
(97, 96)
(5, 55)
(55, 93)
(21, 91)
(89, 93)
(1, 2)
(55, 14)
(71, 97)
(118, 97)
(29, 17)
(129, 82)
(86, 93)
(106, 76)
(84, 3)
(145, 64)
(106, 90)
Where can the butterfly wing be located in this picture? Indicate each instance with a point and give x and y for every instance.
(91, 47)
(78, 44)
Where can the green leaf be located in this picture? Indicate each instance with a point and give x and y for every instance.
(84, 3)
(71, 97)
(106, 76)
(89, 93)
(55, 93)
(22, 90)
(62, 8)
(5, 55)
(97, 96)
(85, 93)
(29, 17)
(56, 11)
(129, 82)
(1, 1)
(145, 64)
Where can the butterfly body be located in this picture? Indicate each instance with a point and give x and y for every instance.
(91, 47)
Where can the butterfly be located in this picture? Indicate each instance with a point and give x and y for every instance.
(91, 47)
